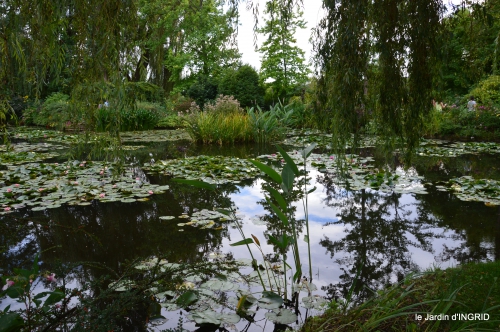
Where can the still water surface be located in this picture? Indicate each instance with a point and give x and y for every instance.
(380, 236)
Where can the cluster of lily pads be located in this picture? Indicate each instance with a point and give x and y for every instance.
(240, 291)
(19, 153)
(466, 188)
(154, 135)
(211, 169)
(40, 186)
(203, 219)
(361, 174)
(440, 148)
(301, 138)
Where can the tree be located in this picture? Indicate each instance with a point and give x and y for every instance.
(471, 46)
(401, 38)
(243, 84)
(283, 62)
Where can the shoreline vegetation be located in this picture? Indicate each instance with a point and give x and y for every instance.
(463, 298)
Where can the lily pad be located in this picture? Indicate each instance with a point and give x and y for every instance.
(282, 316)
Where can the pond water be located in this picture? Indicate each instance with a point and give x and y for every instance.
(385, 226)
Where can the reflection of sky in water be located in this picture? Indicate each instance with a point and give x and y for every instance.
(329, 222)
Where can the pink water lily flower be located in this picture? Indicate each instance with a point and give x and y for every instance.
(41, 189)
(7, 209)
(51, 277)
(150, 192)
(16, 185)
(9, 190)
(102, 195)
(8, 283)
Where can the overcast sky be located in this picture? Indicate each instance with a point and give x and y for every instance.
(312, 15)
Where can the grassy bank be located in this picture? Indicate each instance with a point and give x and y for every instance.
(468, 289)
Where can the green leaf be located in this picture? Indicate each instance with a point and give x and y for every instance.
(306, 238)
(277, 196)
(283, 316)
(11, 322)
(288, 177)
(308, 150)
(276, 242)
(242, 242)
(278, 212)
(270, 300)
(35, 267)
(14, 291)
(267, 170)
(54, 297)
(196, 183)
(186, 299)
(311, 190)
(289, 160)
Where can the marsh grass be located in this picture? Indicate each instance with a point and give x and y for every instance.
(219, 128)
(471, 288)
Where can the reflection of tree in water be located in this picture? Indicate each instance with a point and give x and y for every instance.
(112, 233)
(376, 244)
(476, 227)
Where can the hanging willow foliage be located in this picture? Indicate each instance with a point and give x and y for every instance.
(378, 56)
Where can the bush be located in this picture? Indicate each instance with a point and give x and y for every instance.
(54, 112)
(224, 105)
(244, 85)
(203, 90)
(487, 91)
(484, 123)
(146, 116)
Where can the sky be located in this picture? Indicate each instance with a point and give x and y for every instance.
(312, 15)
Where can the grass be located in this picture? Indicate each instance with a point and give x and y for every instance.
(208, 127)
(471, 288)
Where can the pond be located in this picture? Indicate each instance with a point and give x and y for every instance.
(382, 224)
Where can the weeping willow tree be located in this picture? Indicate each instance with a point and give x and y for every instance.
(108, 50)
(379, 57)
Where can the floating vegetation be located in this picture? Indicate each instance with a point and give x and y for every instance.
(31, 147)
(15, 158)
(224, 298)
(301, 138)
(202, 219)
(360, 173)
(441, 149)
(466, 188)
(42, 186)
(154, 135)
(211, 169)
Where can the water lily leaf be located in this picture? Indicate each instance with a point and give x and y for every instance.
(314, 302)
(282, 316)
(167, 217)
(270, 300)
(212, 317)
(186, 299)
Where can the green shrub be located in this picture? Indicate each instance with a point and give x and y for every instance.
(224, 105)
(243, 84)
(171, 121)
(54, 112)
(487, 91)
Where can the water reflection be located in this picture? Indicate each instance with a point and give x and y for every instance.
(376, 248)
